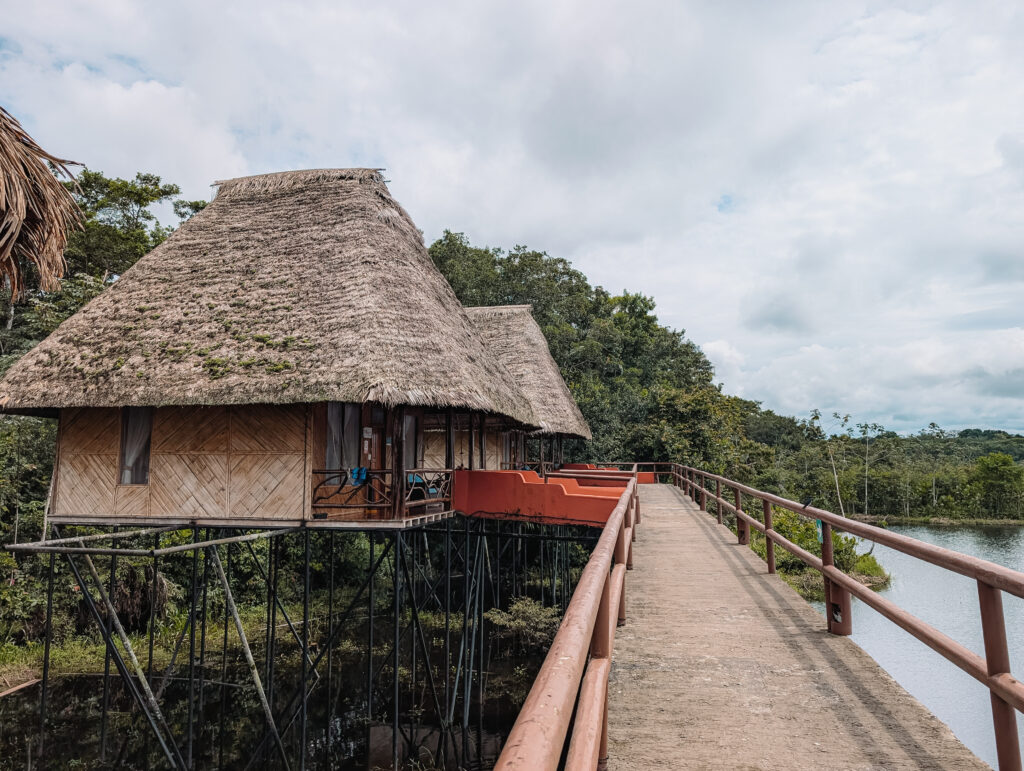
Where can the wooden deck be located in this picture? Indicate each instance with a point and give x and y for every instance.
(722, 666)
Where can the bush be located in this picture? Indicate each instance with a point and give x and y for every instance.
(530, 625)
(804, 533)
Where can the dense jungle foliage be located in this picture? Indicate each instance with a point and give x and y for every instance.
(647, 391)
(649, 394)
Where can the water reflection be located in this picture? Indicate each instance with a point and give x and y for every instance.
(949, 602)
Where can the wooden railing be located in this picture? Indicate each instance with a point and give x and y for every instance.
(993, 671)
(426, 488)
(374, 489)
(574, 675)
(336, 489)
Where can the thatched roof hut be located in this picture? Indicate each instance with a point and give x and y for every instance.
(36, 210)
(514, 338)
(303, 286)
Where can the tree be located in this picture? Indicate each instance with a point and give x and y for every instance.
(119, 227)
(1000, 483)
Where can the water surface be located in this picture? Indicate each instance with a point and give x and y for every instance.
(949, 602)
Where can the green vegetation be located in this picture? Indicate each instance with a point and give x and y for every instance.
(647, 391)
(803, 532)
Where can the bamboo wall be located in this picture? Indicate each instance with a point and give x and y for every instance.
(224, 463)
(434, 447)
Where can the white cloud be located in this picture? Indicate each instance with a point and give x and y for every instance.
(869, 257)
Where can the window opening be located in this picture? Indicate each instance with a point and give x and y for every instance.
(342, 451)
(136, 434)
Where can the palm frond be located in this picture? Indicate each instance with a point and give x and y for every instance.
(36, 210)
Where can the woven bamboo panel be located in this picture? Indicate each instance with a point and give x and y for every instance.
(131, 501)
(462, 449)
(433, 449)
(268, 429)
(188, 486)
(494, 441)
(190, 430)
(90, 431)
(85, 485)
(267, 486)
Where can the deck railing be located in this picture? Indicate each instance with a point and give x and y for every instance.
(351, 488)
(574, 675)
(993, 671)
(425, 489)
(428, 488)
(567, 704)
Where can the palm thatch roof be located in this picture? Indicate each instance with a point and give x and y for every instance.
(293, 287)
(36, 210)
(514, 338)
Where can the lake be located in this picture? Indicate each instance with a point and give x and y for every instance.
(949, 602)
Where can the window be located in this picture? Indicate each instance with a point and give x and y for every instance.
(342, 450)
(409, 436)
(136, 432)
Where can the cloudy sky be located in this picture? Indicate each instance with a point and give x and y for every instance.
(827, 197)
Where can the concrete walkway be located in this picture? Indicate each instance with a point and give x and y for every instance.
(720, 665)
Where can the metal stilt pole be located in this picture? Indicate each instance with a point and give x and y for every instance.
(305, 650)
(369, 635)
(192, 652)
(330, 654)
(229, 601)
(46, 657)
(224, 670)
(397, 583)
(106, 671)
(146, 700)
(202, 643)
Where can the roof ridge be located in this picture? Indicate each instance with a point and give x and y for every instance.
(279, 180)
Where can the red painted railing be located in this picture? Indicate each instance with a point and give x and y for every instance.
(574, 675)
(553, 500)
(993, 671)
(575, 672)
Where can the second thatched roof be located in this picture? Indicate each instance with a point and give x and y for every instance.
(512, 336)
(294, 287)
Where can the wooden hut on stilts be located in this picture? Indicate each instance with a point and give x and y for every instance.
(275, 361)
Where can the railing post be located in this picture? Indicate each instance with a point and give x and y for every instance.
(837, 598)
(997, 661)
(718, 499)
(742, 528)
(769, 543)
(703, 496)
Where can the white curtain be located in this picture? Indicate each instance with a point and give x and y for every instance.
(136, 428)
(409, 441)
(350, 445)
(342, 436)
(335, 414)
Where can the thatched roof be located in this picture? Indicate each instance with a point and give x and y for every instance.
(294, 287)
(514, 338)
(36, 210)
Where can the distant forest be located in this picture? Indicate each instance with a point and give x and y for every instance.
(649, 394)
(647, 391)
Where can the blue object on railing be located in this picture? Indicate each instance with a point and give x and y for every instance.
(415, 480)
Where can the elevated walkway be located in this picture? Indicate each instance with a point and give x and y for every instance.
(723, 666)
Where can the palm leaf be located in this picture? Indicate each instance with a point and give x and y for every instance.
(36, 210)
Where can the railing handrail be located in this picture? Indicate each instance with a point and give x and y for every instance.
(538, 737)
(993, 671)
(1000, 576)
